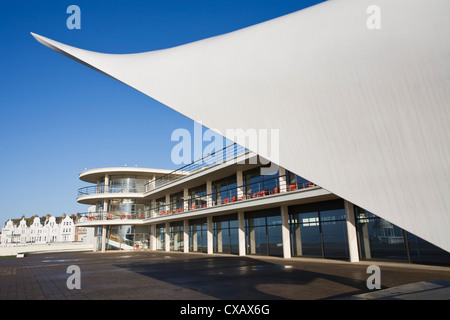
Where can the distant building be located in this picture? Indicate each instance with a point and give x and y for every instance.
(41, 230)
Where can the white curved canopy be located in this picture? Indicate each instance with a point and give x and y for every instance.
(363, 113)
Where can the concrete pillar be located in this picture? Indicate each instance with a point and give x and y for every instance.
(351, 231)
(104, 238)
(194, 238)
(186, 199)
(282, 179)
(209, 235)
(106, 183)
(167, 237)
(167, 202)
(153, 210)
(251, 239)
(94, 242)
(219, 237)
(285, 232)
(209, 193)
(241, 233)
(298, 240)
(186, 235)
(240, 184)
(365, 241)
(153, 237)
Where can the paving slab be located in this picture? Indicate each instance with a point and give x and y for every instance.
(149, 275)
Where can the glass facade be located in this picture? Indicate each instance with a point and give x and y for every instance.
(126, 183)
(198, 235)
(319, 230)
(225, 234)
(379, 239)
(263, 232)
(224, 190)
(160, 236)
(315, 229)
(120, 237)
(176, 203)
(256, 185)
(123, 209)
(176, 236)
(197, 197)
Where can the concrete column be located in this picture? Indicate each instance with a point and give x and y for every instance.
(94, 242)
(153, 237)
(282, 179)
(209, 193)
(167, 203)
(298, 240)
(209, 235)
(365, 241)
(153, 210)
(241, 233)
(106, 183)
(285, 232)
(167, 237)
(194, 238)
(219, 237)
(185, 199)
(186, 235)
(251, 239)
(104, 238)
(351, 231)
(240, 184)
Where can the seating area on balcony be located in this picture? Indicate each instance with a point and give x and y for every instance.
(219, 197)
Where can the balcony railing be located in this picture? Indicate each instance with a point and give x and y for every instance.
(208, 161)
(110, 189)
(256, 190)
(105, 215)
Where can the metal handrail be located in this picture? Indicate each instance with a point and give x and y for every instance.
(106, 215)
(84, 191)
(208, 161)
(228, 196)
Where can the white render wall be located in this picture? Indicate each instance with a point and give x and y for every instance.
(363, 113)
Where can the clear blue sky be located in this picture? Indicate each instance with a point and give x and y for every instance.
(58, 117)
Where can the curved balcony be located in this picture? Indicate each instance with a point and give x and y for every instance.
(90, 190)
(112, 217)
(90, 194)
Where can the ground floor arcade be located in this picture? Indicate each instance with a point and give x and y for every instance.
(331, 229)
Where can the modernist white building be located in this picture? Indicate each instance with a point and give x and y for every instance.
(41, 230)
(229, 207)
(362, 111)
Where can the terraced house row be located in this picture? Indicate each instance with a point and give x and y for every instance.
(223, 203)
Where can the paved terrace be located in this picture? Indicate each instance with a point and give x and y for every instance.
(139, 275)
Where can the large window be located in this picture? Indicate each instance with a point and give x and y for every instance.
(224, 190)
(197, 197)
(161, 205)
(124, 209)
(225, 234)
(176, 236)
(160, 236)
(256, 185)
(198, 235)
(120, 238)
(319, 230)
(379, 239)
(126, 183)
(176, 203)
(263, 232)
